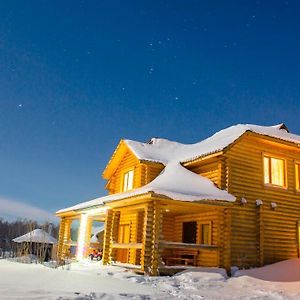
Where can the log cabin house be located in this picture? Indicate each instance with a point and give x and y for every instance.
(232, 199)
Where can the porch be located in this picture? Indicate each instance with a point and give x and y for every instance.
(159, 234)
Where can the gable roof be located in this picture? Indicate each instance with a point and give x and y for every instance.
(116, 158)
(164, 151)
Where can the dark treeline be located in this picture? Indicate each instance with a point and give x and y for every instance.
(11, 230)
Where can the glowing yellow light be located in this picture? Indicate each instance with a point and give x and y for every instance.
(128, 181)
(274, 171)
(81, 237)
(297, 176)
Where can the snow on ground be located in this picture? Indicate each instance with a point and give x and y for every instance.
(284, 271)
(91, 280)
(35, 281)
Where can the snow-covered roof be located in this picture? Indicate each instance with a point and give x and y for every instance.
(175, 181)
(164, 151)
(36, 236)
(94, 238)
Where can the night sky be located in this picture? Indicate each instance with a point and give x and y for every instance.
(77, 76)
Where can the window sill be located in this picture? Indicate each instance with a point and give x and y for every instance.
(275, 187)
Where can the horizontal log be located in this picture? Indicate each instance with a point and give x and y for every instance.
(127, 246)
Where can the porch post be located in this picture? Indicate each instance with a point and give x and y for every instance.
(156, 236)
(64, 237)
(151, 257)
(147, 239)
(107, 236)
(114, 234)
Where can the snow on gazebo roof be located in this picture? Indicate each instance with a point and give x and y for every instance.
(36, 236)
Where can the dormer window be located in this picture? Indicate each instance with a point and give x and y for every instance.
(128, 181)
(274, 171)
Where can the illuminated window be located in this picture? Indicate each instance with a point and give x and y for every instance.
(297, 170)
(274, 171)
(128, 181)
(205, 231)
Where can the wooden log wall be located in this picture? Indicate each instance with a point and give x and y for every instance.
(225, 238)
(152, 171)
(168, 227)
(211, 170)
(272, 237)
(167, 232)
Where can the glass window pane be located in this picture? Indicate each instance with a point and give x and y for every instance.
(277, 171)
(125, 183)
(266, 170)
(130, 180)
(205, 234)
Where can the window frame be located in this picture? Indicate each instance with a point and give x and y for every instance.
(270, 184)
(200, 224)
(297, 175)
(122, 190)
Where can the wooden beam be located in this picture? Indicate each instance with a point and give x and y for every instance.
(202, 158)
(127, 246)
(260, 235)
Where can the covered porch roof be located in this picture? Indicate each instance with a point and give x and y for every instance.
(174, 182)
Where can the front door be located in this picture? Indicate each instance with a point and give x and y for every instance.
(189, 232)
(123, 238)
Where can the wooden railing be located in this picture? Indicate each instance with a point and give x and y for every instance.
(184, 254)
(178, 245)
(127, 246)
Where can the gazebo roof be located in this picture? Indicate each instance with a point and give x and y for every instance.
(36, 236)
